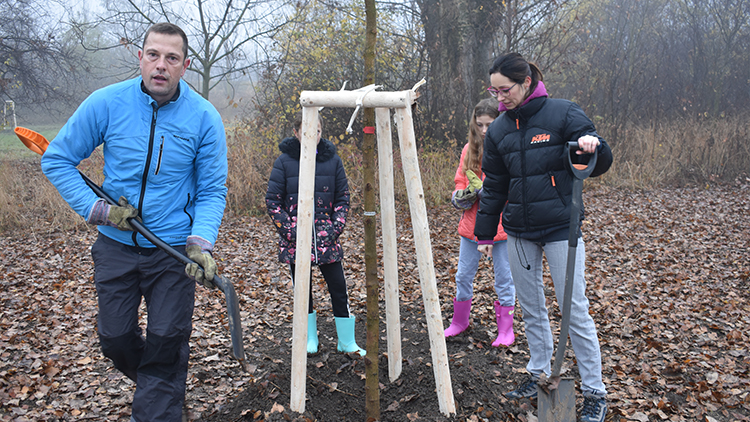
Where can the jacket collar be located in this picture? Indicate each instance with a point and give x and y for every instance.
(151, 100)
(529, 106)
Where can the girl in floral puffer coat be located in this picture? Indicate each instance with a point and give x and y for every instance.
(331, 199)
(465, 197)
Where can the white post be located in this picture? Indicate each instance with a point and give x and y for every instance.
(305, 210)
(9, 105)
(373, 99)
(390, 259)
(425, 263)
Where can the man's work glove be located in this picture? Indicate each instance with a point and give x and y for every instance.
(103, 214)
(475, 183)
(199, 250)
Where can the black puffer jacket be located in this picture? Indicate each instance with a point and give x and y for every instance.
(331, 201)
(524, 163)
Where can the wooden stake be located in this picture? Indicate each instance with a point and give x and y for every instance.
(305, 210)
(390, 259)
(425, 263)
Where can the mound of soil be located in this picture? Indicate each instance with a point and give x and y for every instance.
(336, 381)
(335, 387)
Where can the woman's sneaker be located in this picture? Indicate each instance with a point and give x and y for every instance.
(594, 409)
(527, 389)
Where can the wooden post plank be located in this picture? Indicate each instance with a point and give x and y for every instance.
(390, 259)
(373, 99)
(407, 141)
(305, 210)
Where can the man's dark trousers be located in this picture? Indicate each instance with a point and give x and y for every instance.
(158, 364)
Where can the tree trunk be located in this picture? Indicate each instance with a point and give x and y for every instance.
(372, 392)
(458, 35)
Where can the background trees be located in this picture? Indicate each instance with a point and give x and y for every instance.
(462, 38)
(40, 68)
(625, 62)
(223, 35)
(322, 50)
(641, 62)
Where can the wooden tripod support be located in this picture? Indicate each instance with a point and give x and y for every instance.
(382, 102)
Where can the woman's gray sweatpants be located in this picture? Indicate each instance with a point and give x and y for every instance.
(525, 259)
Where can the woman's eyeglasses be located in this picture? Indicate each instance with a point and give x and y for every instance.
(500, 92)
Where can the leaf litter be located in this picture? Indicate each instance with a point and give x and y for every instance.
(668, 279)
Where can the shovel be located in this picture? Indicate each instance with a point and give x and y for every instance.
(38, 143)
(556, 398)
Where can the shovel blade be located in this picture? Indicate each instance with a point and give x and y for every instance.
(33, 140)
(559, 404)
(233, 314)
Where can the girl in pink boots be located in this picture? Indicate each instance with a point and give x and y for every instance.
(468, 181)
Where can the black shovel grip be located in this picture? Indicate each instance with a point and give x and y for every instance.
(579, 172)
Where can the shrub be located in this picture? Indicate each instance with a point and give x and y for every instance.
(251, 160)
(676, 153)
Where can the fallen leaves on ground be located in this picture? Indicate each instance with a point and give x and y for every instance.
(668, 281)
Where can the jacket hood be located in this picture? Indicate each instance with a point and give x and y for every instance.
(539, 91)
(291, 146)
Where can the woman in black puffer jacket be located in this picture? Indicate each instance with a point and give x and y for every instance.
(524, 163)
(331, 199)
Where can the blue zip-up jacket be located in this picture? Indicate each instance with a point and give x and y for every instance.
(170, 162)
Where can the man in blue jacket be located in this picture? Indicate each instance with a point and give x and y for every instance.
(165, 158)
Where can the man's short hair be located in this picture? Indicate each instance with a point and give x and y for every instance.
(167, 28)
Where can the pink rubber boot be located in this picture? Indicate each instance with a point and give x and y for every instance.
(461, 311)
(504, 315)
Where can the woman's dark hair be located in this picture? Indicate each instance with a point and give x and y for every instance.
(514, 67)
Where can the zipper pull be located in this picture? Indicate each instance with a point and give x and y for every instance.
(518, 127)
(553, 181)
(158, 160)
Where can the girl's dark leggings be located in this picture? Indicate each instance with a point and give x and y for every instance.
(334, 276)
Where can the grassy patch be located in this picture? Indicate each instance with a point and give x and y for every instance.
(11, 146)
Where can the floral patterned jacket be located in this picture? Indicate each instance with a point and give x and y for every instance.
(331, 201)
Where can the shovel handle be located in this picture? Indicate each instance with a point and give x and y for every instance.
(579, 171)
(36, 142)
(222, 283)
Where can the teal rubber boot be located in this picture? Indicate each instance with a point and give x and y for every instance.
(345, 332)
(312, 332)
